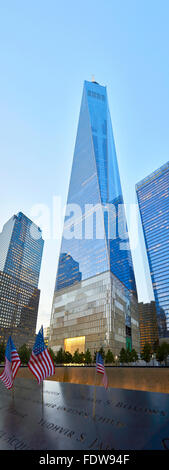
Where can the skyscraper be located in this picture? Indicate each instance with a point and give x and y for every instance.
(21, 248)
(148, 325)
(95, 300)
(153, 200)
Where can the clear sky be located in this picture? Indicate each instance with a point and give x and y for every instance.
(47, 50)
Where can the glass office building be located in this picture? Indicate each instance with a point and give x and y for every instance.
(148, 325)
(153, 200)
(95, 272)
(21, 248)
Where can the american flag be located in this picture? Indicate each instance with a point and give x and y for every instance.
(101, 369)
(12, 364)
(40, 362)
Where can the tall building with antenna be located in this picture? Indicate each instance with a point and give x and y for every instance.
(95, 298)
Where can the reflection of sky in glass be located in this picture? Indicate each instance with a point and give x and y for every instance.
(153, 199)
(25, 252)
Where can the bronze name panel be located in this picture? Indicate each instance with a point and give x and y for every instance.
(62, 419)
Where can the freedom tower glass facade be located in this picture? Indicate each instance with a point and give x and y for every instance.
(95, 237)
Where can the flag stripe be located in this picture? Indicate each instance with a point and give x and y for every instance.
(41, 365)
(101, 369)
(105, 381)
(50, 362)
(34, 370)
(34, 366)
(46, 360)
(12, 364)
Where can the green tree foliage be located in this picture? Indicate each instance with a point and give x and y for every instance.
(162, 352)
(67, 357)
(109, 357)
(155, 346)
(146, 353)
(133, 356)
(82, 358)
(94, 357)
(78, 358)
(87, 357)
(24, 354)
(123, 356)
(52, 354)
(102, 352)
(2, 353)
(60, 356)
(127, 356)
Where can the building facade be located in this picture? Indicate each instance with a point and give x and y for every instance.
(153, 201)
(95, 298)
(21, 247)
(148, 325)
(46, 332)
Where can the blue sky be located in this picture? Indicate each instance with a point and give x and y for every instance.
(47, 50)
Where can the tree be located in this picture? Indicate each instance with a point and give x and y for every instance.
(123, 356)
(67, 357)
(24, 354)
(155, 345)
(94, 357)
(52, 354)
(78, 358)
(60, 356)
(82, 358)
(2, 353)
(133, 356)
(101, 351)
(87, 357)
(162, 352)
(109, 357)
(146, 353)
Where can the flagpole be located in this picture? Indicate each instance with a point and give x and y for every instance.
(42, 379)
(13, 396)
(94, 398)
(42, 393)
